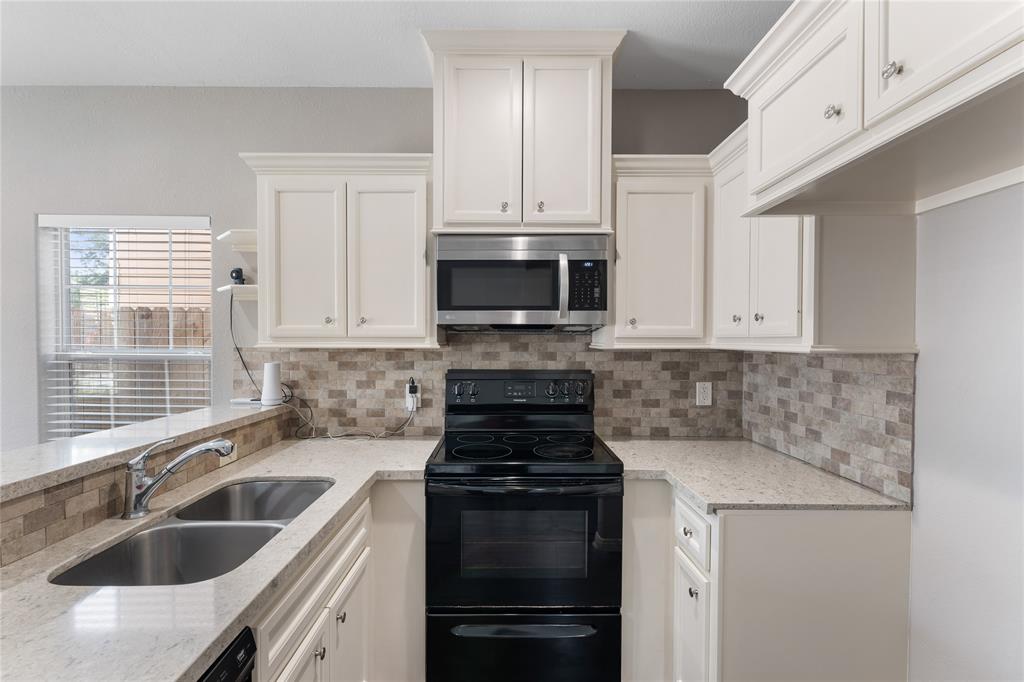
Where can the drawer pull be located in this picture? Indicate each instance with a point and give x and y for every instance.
(504, 207)
(341, 616)
(687, 532)
(328, 320)
(891, 69)
(540, 207)
(737, 318)
(694, 593)
(632, 322)
(320, 653)
(758, 317)
(833, 110)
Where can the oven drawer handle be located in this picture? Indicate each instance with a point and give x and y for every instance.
(524, 631)
(572, 490)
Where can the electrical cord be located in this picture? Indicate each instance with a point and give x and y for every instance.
(289, 394)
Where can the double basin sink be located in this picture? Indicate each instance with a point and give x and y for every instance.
(210, 537)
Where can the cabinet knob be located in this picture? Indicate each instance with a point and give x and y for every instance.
(687, 532)
(632, 322)
(504, 207)
(362, 320)
(328, 320)
(758, 317)
(737, 319)
(891, 69)
(694, 593)
(540, 207)
(341, 616)
(320, 653)
(833, 110)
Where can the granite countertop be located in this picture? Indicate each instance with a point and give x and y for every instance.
(174, 632)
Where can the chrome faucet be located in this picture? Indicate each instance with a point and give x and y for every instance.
(138, 487)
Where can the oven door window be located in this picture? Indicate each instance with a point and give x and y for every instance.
(497, 285)
(524, 544)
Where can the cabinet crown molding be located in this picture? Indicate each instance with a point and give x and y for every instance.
(565, 42)
(729, 149)
(660, 165)
(328, 163)
(788, 33)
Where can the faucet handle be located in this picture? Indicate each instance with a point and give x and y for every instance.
(139, 461)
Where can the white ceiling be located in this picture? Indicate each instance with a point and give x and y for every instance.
(682, 44)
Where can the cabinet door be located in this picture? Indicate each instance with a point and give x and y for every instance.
(387, 235)
(811, 103)
(690, 637)
(350, 624)
(562, 139)
(659, 277)
(301, 252)
(311, 661)
(914, 48)
(483, 139)
(732, 255)
(775, 277)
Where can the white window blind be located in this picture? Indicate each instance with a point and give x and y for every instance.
(124, 319)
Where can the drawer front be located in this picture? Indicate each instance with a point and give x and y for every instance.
(693, 534)
(812, 102)
(282, 627)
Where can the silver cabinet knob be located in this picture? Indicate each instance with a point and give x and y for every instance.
(687, 532)
(540, 207)
(362, 320)
(632, 322)
(891, 69)
(341, 616)
(833, 110)
(694, 593)
(758, 317)
(504, 207)
(737, 319)
(328, 320)
(320, 653)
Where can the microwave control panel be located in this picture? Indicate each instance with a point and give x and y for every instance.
(588, 285)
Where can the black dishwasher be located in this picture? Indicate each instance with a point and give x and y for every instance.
(236, 663)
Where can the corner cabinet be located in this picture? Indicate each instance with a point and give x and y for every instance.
(342, 250)
(522, 129)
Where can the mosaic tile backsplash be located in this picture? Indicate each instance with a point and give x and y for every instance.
(852, 415)
(649, 394)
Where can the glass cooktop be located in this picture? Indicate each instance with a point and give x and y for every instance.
(522, 452)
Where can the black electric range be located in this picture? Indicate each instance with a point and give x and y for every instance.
(524, 532)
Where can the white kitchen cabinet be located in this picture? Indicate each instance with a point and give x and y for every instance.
(387, 256)
(775, 276)
(914, 48)
(342, 250)
(349, 618)
(522, 130)
(731, 259)
(301, 254)
(562, 139)
(483, 139)
(659, 274)
(691, 621)
(310, 662)
(812, 102)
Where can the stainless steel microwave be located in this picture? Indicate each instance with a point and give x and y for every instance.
(522, 283)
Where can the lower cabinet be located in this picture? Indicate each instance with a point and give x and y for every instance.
(349, 624)
(310, 662)
(690, 620)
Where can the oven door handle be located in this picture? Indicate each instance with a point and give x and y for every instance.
(587, 489)
(560, 631)
(563, 287)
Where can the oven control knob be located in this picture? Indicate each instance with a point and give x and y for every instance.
(581, 388)
(473, 390)
(551, 390)
(459, 389)
(564, 388)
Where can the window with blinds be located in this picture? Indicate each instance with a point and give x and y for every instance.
(124, 319)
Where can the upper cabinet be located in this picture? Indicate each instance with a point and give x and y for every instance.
(841, 81)
(522, 122)
(342, 250)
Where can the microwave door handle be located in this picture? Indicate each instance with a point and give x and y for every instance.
(563, 287)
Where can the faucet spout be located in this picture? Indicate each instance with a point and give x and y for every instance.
(139, 488)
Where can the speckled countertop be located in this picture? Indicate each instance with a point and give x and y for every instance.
(174, 632)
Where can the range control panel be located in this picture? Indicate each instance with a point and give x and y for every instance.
(587, 280)
(526, 387)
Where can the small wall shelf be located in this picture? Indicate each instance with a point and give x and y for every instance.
(242, 241)
(242, 292)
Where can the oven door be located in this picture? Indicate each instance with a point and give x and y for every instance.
(524, 543)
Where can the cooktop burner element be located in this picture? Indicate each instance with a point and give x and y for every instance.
(520, 438)
(476, 438)
(563, 451)
(482, 451)
(566, 438)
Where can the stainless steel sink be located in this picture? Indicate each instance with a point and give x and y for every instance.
(173, 553)
(256, 501)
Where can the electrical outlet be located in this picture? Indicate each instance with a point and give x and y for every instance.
(412, 395)
(703, 393)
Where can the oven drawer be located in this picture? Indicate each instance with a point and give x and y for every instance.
(503, 648)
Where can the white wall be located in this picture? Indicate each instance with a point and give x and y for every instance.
(967, 581)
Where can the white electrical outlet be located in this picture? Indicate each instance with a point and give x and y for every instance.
(703, 393)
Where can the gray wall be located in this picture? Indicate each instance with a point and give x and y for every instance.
(174, 151)
(967, 581)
